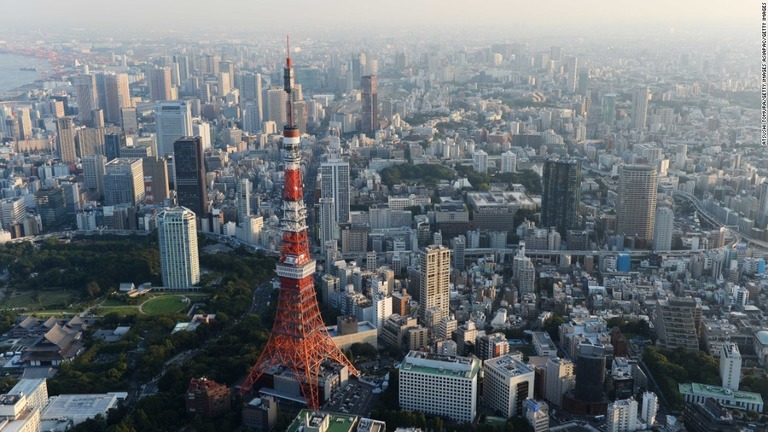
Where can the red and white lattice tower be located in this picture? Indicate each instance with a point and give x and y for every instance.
(299, 339)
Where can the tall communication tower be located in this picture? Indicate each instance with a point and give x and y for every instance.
(299, 340)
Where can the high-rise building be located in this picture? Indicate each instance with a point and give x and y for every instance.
(681, 156)
(358, 67)
(87, 97)
(155, 179)
(730, 366)
(25, 123)
(560, 379)
(12, 210)
(370, 116)
(335, 184)
(160, 86)
(640, 108)
(649, 408)
(561, 195)
(609, 109)
(93, 173)
(51, 205)
(677, 322)
(191, 188)
(508, 162)
(572, 73)
(123, 182)
(491, 346)
(65, 131)
(662, 229)
(173, 120)
(225, 83)
(480, 161)
(207, 398)
(328, 227)
(129, 120)
(113, 142)
(762, 209)
(243, 202)
(590, 373)
(434, 284)
(459, 249)
(277, 101)
(507, 383)
(450, 381)
(179, 259)
(636, 203)
(524, 271)
(622, 416)
(117, 96)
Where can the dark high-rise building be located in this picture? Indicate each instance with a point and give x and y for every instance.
(190, 175)
(370, 118)
(561, 195)
(112, 144)
(590, 373)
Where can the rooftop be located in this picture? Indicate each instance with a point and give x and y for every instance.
(439, 364)
(720, 392)
(508, 365)
(339, 422)
(762, 337)
(79, 407)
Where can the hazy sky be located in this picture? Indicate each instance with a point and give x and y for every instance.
(337, 15)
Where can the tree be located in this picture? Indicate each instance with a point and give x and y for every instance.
(93, 289)
(552, 326)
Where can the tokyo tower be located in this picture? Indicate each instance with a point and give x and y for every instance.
(299, 340)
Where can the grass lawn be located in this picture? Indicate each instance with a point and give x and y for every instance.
(112, 302)
(164, 305)
(56, 313)
(45, 299)
(122, 310)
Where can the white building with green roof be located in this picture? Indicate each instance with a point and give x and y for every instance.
(740, 400)
(440, 385)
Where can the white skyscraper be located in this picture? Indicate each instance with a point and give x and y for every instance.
(173, 120)
(507, 383)
(243, 202)
(524, 271)
(622, 416)
(640, 108)
(87, 96)
(177, 231)
(508, 162)
(334, 183)
(650, 408)
(328, 226)
(93, 173)
(560, 379)
(662, 229)
(277, 101)
(480, 161)
(203, 130)
(439, 385)
(681, 156)
(730, 366)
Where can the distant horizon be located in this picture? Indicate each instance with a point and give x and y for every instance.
(348, 18)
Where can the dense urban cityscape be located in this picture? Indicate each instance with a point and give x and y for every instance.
(396, 232)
